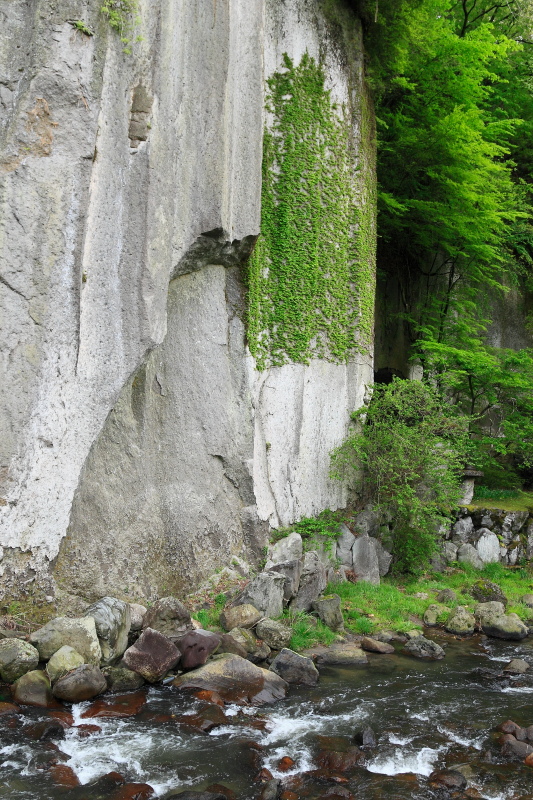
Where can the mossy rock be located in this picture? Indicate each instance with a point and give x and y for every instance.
(485, 591)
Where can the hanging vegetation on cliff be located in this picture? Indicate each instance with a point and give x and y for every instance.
(310, 278)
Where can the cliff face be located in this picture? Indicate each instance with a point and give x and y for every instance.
(139, 445)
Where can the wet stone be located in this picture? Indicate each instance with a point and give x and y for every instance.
(517, 666)
(449, 778)
(122, 679)
(63, 775)
(46, 729)
(420, 647)
(294, 668)
(82, 683)
(116, 707)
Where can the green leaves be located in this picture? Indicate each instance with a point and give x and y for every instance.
(312, 271)
(408, 455)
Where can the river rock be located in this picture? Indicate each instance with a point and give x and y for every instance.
(461, 622)
(328, 609)
(513, 748)
(137, 613)
(432, 614)
(349, 655)
(313, 581)
(488, 546)
(517, 666)
(16, 658)
(485, 591)
(196, 647)
(82, 683)
(236, 680)
(63, 661)
(187, 794)
(463, 530)
(169, 617)
(122, 679)
(292, 570)
(345, 543)
(256, 650)
(242, 616)
(290, 548)
(112, 619)
(446, 596)
(494, 622)
(33, 689)
(450, 778)
(374, 646)
(275, 634)
(295, 668)
(527, 600)
(365, 562)
(467, 554)
(79, 633)
(420, 647)
(152, 655)
(229, 645)
(265, 593)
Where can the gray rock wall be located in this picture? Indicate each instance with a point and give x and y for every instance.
(138, 444)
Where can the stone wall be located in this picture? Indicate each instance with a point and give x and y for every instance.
(139, 445)
(485, 536)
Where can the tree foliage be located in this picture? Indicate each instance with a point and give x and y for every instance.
(409, 449)
(454, 90)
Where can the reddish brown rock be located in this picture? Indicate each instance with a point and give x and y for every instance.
(529, 760)
(126, 705)
(288, 795)
(219, 788)
(152, 655)
(515, 730)
(285, 764)
(196, 647)
(133, 791)
(209, 717)
(209, 697)
(515, 749)
(46, 729)
(84, 730)
(65, 717)
(449, 778)
(340, 761)
(62, 775)
(8, 708)
(263, 775)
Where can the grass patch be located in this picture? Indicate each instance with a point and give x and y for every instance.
(306, 630)
(368, 609)
(521, 501)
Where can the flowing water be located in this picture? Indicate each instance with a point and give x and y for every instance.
(426, 715)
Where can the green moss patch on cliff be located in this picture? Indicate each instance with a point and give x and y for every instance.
(311, 276)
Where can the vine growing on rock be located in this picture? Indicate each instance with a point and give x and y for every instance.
(122, 16)
(311, 276)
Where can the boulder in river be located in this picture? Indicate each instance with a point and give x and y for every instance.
(196, 647)
(275, 634)
(33, 689)
(374, 646)
(517, 666)
(265, 592)
(82, 683)
(494, 622)
(169, 617)
(152, 655)
(328, 609)
(63, 661)
(515, 749)
(313, 581)
(461, 622)
(242, 616)
(122, 679)
(79, 633)
(236, 680)
(16, 658)
(112, 618)
(347, 655)
(295, 668)
(420, 647)
(449, 778)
